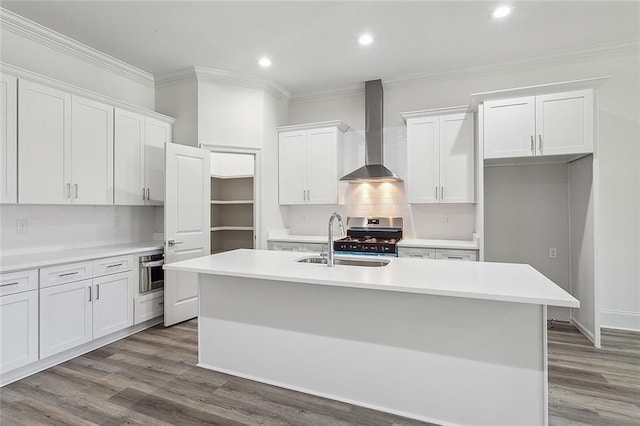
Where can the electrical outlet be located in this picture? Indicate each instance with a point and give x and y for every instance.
(21, 226)
(116, 221)
(553, 253)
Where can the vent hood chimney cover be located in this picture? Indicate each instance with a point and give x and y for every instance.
(374, 170)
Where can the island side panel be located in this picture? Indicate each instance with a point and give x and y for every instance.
(434, 358)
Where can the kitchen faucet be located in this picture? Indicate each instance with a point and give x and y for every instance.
(330, 244)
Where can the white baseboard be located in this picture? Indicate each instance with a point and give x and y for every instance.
(53, 360)
(584, 330)
(620, 320)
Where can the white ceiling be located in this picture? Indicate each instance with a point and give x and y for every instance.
(313, 44)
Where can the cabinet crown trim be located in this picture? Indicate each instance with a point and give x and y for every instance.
(341, 125)
(40, 34)
(435, 111)
(540, 89)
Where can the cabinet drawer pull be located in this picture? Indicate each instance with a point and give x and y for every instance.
(455, 257)
(68, 274)
(8, 284)
(113, 266)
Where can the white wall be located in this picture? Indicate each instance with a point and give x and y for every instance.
(180, 100)
(55, 227)
(618, 217)
(526, 214)
(230, 115)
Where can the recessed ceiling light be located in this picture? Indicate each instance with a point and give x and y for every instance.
(264, 62)
(365, 39)
(501, 12)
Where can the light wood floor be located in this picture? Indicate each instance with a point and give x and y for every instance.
(151, 379)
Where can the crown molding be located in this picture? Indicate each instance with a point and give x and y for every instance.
(341, 125)
(435, 111)
(242, 80)
(210, 75)
(599, 51)
(79, 91)
(33, 31)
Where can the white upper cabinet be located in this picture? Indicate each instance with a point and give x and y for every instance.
(553, 124)
(157, 133)
(440, 157)
(309, 164)
(65, 148)
(91, 152)
(44, 149)
(509, 128)
(564, 122)
(139, 158)
(292, 162)
(8, 139)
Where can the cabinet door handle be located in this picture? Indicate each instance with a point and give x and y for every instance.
(90, 298)
(532, 144)
(540, 143)
(113, 266)
(308, 195)
(442, 192)
(304, 195)
(143, 194)
(436, 192)
(97, 291)
(75, 188)
(68, 274)
(455, 257)
(8, 284)
(68, 193)
(148, 194)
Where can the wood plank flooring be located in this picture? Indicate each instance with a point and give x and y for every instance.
(151, 379)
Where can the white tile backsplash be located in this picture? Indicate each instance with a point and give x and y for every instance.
(52, 227)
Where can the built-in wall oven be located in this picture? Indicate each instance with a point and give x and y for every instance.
(151, 272)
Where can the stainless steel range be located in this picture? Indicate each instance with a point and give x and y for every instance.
(372, 236)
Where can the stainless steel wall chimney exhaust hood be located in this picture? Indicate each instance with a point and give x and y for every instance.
(373, 170)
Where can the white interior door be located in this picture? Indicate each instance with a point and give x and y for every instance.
(186, 227)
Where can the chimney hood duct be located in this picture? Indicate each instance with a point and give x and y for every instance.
(373, 170)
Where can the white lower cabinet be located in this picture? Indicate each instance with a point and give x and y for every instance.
(65, 317)
(112, 303)
(439, 254)
(18, 330)
(148, 306)
(285, 246)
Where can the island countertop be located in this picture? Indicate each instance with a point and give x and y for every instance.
(476, 280)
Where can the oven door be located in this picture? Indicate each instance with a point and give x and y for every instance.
(151, 273)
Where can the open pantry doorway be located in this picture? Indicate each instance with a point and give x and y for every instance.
(233, 198)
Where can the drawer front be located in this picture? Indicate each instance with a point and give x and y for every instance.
(465, 255)
(17, 282)
(112, 265)
(68, 273)
(280, 246)
(314, 247)
(415, 252)
(148, 307)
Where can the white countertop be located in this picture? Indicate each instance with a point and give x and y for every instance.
(476, 280)
(441, 244)
(46, 258)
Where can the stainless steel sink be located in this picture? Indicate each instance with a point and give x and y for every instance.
(346, 262)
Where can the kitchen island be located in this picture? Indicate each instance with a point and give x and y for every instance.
(441, 341)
